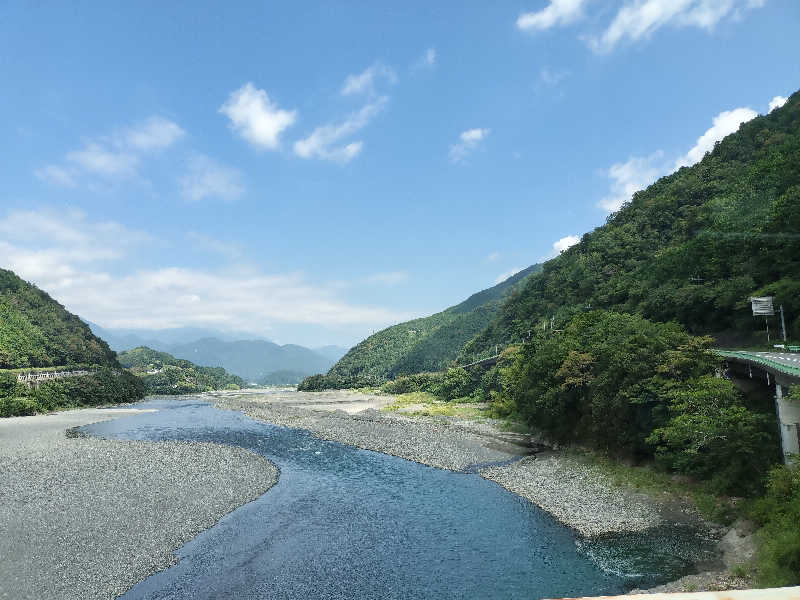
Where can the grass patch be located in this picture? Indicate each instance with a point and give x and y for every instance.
(428, 405)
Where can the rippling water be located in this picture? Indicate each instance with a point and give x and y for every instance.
(349, 523)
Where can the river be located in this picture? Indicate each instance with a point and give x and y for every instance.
(350, 523)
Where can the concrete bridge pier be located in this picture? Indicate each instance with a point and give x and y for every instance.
(788, 418)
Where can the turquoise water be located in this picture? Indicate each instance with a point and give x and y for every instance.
(349, 523)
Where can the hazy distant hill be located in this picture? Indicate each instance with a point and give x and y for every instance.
(240, 353)
(252, 359)
(426, 344)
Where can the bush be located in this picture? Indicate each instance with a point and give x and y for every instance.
(419, 382)
(779, 539)
(17, 407)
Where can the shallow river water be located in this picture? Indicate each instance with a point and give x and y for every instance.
(350, 523)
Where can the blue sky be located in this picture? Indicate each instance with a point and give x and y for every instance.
(311, 173)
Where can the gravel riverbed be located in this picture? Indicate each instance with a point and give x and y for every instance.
(578, 495)
(89, 518)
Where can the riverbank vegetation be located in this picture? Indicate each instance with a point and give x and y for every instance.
(103, 386)
(162, 373)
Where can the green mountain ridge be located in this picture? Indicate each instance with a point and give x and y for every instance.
(692, 247)
(424, 344)
(162, 373)
(36, 331)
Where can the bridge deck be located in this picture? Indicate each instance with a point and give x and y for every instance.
(784, 363)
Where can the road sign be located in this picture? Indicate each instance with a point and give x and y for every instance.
(762, 305)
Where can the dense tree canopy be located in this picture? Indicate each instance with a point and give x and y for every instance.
(36, 331)
(162, 373)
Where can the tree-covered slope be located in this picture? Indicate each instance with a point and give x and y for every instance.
(36, 331)
(424, 344)
(162, 373)
(692, 247)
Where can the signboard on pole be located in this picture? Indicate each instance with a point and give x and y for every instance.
(762, 305)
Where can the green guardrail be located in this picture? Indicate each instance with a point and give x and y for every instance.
(755, 358)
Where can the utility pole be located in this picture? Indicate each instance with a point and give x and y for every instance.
(783, 324)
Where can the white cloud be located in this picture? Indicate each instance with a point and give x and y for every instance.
(155, 133)
(426, 61)
(557, 12)
(322, 141)
(469, 141)
(390, 278)
(73, 259)
(565, 242)
(503, 276)
(640, 171)
(257, 118)
(114, 156)
(638, 19)
(364, 82)
(631, 176)
(206, 178)
(776, 102)
(492, 256)
(724, 124)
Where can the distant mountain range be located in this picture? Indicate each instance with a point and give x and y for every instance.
(255, 360)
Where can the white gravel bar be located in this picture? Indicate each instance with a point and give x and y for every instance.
(579, 495)
(89, 518)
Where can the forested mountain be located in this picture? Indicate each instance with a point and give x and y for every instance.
(692, 247)
(162, 373)
(36, 331)
(425, 344)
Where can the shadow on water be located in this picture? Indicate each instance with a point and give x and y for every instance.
(349, 523)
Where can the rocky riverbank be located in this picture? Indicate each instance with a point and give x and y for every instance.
(89, 518)
(578, 495)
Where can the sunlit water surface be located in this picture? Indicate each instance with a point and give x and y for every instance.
(349, 523)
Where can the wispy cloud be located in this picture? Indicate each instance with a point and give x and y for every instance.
(639, 19)
(205, 243)
(323, 142)
(256, 118)
(469, 140)
(205, 178)
(550, 77)
(723, 124)
(557, 12)
(156, 133)
(114, 156)
(390, 278)
(777, 102)
(631, 176)
(78, 261)
(366, 81)
(426, 61)
(638, 172)
(636, 19)
(492, 256)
